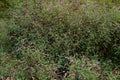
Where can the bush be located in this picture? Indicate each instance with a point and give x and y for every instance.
(45, 35)
(64, 30)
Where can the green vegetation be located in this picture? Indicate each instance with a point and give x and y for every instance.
(60, 40)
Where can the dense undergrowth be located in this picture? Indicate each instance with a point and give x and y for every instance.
(60, 40)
